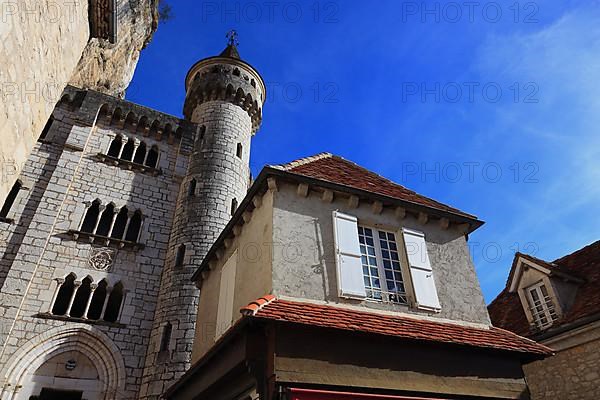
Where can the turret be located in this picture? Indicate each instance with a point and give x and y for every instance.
(224, 99)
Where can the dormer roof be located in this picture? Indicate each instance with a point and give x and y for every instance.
(582, 266)
(331, 168)
(336, 173)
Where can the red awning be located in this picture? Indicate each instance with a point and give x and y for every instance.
(309, 394)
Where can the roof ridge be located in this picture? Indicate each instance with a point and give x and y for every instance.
(303, 161)
(255, 306)
(596, 243)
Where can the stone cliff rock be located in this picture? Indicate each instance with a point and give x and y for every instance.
(109, 67)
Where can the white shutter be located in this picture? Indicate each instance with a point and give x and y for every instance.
(347, 256)
(421, 271)
(226, 295)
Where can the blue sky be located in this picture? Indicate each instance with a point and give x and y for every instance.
(492, 108)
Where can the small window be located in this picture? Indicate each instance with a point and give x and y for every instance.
(103, 19)
(381, 265)
(135, 225)
(46, 129)
(115, 146)
(234, 206)
(128, 150)
(63, 298)
(239, 151)
(180, 256)
(91, 217)
(152, 158)
(81, 299)
(113, 306)
(140, 154)
(106, 220)
(165, 340)
(192, 188)
(10, 199)
(120, 224)
(98, 299)
(541, 306)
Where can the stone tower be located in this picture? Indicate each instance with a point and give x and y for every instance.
(224, 98)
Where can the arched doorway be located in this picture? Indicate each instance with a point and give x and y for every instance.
(75, 361)
(68, 376)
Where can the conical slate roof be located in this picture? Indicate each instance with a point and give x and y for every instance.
(231, 51)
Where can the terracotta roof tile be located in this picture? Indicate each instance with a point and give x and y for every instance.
(394, 325)
(335, 169)
(507, 312)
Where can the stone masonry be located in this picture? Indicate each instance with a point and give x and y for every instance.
(574, 371)
(60, 179)
(184, 200)
(220, 93)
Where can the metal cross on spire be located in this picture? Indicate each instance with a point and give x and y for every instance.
(232, 37)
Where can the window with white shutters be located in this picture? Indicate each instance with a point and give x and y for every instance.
(420, 271)
(348, 257)
(381, 265)
(226, 296)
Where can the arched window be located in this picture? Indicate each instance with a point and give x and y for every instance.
(239, 151)
(10, 199)
(140, 154)
(98, 299)
(115, 146)
(180, 256)
(91, 217)
(106, 220)
(165, 339)
(234, 206)
(128, 150)
(120, 224)
(152, 158)
(63, 298)
(135, 224)
(113, 306)
(192, 188)
(81, 299)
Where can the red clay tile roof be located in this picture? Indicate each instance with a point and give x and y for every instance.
(507, 312)
(335, 169)
(326, 316)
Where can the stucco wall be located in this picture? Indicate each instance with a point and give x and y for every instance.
(573, 373)
(253, 274)
(304, 262)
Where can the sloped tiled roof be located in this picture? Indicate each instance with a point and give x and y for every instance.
(507, 312)
(335, 169)
(325, 316)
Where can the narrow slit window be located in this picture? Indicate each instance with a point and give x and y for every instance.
(192, 188)
(166, 337)
(239, 151)
(234, 206)
(180, 256)
(10, 199)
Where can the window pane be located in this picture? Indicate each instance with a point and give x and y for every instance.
(369, 262)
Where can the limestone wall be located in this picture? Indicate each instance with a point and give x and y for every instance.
(59, 178)
(573, 373)
(45, 45)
